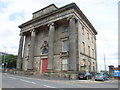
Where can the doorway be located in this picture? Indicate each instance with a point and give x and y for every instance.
(44, 63)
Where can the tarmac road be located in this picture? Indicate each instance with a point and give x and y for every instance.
(15, 81)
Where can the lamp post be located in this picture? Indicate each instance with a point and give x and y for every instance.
(4, 61)
(105, 63)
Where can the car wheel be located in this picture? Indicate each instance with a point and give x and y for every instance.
(95, 79)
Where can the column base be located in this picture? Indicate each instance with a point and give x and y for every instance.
(73, 75)
(29, 70)
(18, 69)
(49, 71)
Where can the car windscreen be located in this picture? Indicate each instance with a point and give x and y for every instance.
(98, 75)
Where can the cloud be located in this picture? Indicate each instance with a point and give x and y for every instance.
(107, 43)
(14, 16)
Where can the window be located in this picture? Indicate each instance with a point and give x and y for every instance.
(64, 64)
(65, 28)
(93, 53)
(83, 30)
(83, 47)
(65, 45)
(89, 50)
(84, 61)
(93, 66)
(88, 35)
(92, 39)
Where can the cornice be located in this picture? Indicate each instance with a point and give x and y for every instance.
(64, 8)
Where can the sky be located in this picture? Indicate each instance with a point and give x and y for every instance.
(103, 14)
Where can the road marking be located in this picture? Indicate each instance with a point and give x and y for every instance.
(35, 79)
(12, 77)
(49, 86)
(27, 81)
(31, 78)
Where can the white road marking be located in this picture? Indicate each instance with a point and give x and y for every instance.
(27, 81)
(49, 86)
(35, 78)
(12, 77)
(30, 78)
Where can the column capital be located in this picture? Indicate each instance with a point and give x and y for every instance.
(32, 29)
(72, 17)
(51, 24)
(21, 34)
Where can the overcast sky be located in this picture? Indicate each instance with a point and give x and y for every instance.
(103, 14)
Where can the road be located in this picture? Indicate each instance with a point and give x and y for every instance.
(14, 81)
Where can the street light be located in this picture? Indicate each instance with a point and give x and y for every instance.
(3, 61)
(105, 63)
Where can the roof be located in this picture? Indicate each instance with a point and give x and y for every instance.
(69, 6)
(45, 8)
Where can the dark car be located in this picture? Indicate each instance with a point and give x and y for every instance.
(85, 76)
(102, 77)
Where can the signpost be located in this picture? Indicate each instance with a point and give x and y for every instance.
(116, 73)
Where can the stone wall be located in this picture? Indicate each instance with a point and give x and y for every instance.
(37, 64)
(88, 42)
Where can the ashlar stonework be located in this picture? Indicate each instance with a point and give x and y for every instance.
(58, 42)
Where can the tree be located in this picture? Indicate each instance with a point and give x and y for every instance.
(10, 61)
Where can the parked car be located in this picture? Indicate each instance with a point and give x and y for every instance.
(102, 77)
(84, 76)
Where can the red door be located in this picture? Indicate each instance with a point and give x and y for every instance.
(44, 64)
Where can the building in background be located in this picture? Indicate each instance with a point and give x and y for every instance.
(58, 41)
(114, 71)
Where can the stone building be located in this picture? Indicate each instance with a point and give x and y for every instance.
(58, 40)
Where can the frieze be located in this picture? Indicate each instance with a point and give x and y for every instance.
(48, 20)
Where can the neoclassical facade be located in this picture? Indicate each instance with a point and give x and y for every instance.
(58, 40)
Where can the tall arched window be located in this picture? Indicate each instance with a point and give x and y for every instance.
(88, 50)
(82, 30)
(88, 36)
(93, 53)
(83, 47)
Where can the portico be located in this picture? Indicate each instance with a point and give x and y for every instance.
(52, 40)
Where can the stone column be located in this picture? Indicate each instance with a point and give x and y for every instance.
(32, 45)
(79, 44)
(95, 54)
(51, 47)
(72, 44)
(19, 60)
